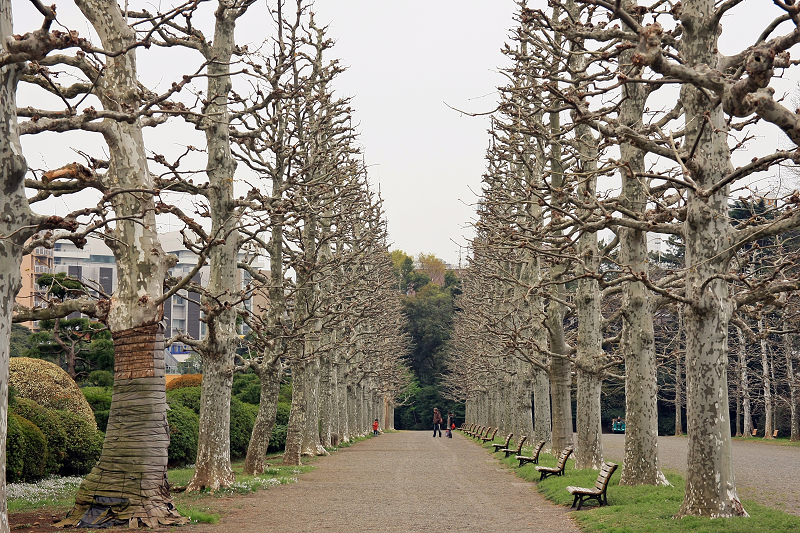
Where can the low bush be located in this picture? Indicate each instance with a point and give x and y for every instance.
(48, 421)
(100, 400)
(101, 418)
(186, 380)
(243, 416)
(15, 449)
(282, 416)
(48, 385)
(184, 427)
(98, 397)
(34, 451)
(101, 378)
(83, 445)
(247, 387)
(187, 396)
(277, 441)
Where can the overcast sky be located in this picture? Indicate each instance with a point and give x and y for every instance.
(406, 61)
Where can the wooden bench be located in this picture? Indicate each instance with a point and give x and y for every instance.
(558, 470)
(505, 444)
(598, 492)
(534, 457)
(482, 433)
(472, 429)
(474, 432)
(519, 447)
(489, 438)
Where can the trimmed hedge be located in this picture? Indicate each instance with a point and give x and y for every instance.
(26, 450)
(84, 444)
(282, 416)
(15, 449)
(186, 380)
(243, 417)
(187, 396)
(48, 421)
(277, 441)
(247, 387)
(184, 428)
(48, 385)
(101, 378)
(35, 454)
(100, 400)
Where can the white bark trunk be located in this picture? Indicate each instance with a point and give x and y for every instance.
(710, 483)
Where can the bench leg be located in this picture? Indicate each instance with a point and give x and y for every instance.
(580, 501)
(575, 501)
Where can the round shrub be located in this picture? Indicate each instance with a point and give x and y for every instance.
(84, 444)
(34, 451)
(49, 422)
(101, 378)
(277, 441)
(184, 427)
(187, 397)
(49, 386)
(186, 380)
(15, 449)
(243, 417)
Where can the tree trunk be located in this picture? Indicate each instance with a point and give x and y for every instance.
(767, 382)
(130, 480)
(710, 483)
(13, 231)
(218, 350)
(542, 429)
(640, 465)
(213, 467)
(270, 377)
(747, 418)
(311, 445)
(327, 409)
(679, 389)
(792, 380)
(297, 415)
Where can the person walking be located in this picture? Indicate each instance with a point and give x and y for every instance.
(451, 425)
(437, 422)
(375, 427)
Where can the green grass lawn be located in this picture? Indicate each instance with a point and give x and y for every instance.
(643, 508)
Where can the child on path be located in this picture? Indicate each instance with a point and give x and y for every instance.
(375, 427)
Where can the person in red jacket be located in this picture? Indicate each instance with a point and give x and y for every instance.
(437, 421)
(375, 427)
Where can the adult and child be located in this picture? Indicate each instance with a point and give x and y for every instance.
(437, 423)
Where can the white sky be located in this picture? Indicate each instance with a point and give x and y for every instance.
(406, 59)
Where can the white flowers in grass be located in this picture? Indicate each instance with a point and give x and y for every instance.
(256, 483)
(47, 490)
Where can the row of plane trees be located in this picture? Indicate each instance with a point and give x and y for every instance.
(258, 159)
(618, 124)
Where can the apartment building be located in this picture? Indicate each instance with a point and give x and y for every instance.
(96, 267)
(33, 266)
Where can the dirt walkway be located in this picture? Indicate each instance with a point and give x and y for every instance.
(398, 482)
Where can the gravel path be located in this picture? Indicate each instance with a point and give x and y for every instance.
(765, 473)
(398, 482)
